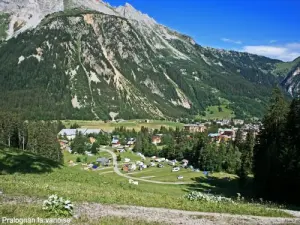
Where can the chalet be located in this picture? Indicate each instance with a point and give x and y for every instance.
(130, 142)
(195, 128)
(156, 139)
(115, 143)
(132, 167)
(103, 161)
(125, 168)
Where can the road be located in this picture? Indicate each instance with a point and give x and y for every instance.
(117, 171)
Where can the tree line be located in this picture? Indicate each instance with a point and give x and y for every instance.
(39, 137)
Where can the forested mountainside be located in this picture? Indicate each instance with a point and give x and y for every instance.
(84, 64)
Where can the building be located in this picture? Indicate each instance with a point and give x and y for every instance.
(238, 122)
(71, 133)
(223, 135)
(130, 142)
(103, 161)
(195, 128)
(115, 143)
(231, 133)
(156, 140)
(223, 122)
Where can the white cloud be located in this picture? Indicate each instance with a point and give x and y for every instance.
(287, 52)
(231, 41)
(293, 45)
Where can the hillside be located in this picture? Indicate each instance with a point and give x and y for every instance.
(82, 64)
(25, 190)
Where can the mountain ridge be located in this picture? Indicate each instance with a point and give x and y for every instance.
(91, 64)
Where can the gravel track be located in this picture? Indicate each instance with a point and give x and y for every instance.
(171, 216)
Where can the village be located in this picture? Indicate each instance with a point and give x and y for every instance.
(134, 164)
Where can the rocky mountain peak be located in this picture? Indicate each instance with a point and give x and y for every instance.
(129, 12)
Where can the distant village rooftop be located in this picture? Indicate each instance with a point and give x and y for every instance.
(71, 133)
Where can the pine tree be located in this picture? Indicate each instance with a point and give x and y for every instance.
(246, 158)
(94, 148)
(290, 157)
(238, 142)
(270, 142)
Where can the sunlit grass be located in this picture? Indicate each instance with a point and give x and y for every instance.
(79, 185)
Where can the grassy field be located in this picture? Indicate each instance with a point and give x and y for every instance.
(212, 112)
(94, 186)
(130, 124)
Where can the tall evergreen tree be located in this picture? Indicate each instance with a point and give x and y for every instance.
(246, 158)
(290, 156)
(270, 143)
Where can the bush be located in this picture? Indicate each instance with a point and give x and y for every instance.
(58, 206)
(85, 159)
(78, 159)
(119, 158)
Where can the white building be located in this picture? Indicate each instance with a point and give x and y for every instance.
(71, 133)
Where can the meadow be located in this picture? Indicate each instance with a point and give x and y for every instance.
(79, 186)
(212, 113)
(129, 124)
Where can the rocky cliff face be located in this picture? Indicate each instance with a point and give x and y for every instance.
(292, 81)
(26, 14)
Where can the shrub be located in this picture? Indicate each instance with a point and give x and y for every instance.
(85, 159)
(58, 206)
(119, 158)
(78, 159)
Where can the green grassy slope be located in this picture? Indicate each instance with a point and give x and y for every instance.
(84, 186)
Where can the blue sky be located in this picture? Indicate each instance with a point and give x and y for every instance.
(266, 27)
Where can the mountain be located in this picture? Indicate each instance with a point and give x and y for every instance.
(292, 81)
(87, 59)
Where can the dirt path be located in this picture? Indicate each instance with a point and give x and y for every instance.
(117, 171)
(170, 216)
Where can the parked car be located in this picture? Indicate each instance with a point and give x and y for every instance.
(175, 169)
(160, 165)
(180, 177)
